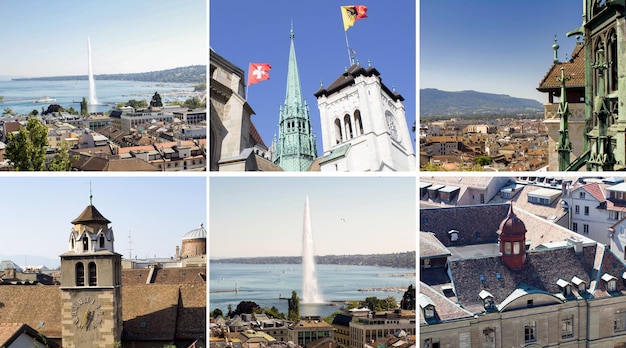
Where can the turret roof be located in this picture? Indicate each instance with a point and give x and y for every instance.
(347, 79)
(90, 215)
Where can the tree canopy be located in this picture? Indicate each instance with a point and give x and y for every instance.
(26, 150)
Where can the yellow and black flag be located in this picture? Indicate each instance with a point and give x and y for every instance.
(351, 14)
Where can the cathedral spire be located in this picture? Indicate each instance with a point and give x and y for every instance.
(296, 148)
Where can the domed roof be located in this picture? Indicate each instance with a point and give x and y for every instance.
(512, 225)
(197, 233)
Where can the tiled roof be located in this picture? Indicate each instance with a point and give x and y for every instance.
(595, 189)
(150, 311)
(574, 68)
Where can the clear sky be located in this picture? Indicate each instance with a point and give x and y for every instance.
(246, 31)
(502, 47)
(157, 211)
(49, 38)
(263, 216)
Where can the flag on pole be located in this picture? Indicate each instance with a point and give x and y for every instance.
(351, 14)
(258, 72)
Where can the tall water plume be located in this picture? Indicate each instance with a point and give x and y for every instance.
(310, 291)
(92, 84)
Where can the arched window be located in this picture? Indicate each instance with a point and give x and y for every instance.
(101, 241)
(80, 274)
(85, 243)
(72, 242)
(348, 126)
(338, 134)
(358, 122)
(92, 274)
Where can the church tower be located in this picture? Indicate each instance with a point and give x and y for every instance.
(91, 284)
(295, 149)
(364, 125)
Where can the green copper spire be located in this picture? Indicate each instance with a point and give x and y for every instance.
(295, 149)
(564, 147)
(601, 157)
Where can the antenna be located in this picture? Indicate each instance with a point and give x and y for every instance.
(130, 249)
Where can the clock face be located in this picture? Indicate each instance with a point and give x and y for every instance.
(87, 313)
(391, 125)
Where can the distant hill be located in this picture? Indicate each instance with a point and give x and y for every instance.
(188, 74)
(435, 102)
(399, 260)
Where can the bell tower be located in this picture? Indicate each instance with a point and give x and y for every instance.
(364, 125)
(91, 284)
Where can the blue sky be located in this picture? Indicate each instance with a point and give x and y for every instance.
(502, 47)
(247, 31)
(263, 216)
(49, 38)
(36, 212)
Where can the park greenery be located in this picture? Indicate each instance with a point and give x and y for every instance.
(26, 149)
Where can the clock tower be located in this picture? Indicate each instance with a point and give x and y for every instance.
(91, 284)
(364, 125)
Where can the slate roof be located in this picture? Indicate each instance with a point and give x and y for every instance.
(430, 246)
(444, 308)
(347, 79)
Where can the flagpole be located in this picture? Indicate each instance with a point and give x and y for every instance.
(348, 47)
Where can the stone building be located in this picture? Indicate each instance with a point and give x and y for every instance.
(539, 285)
(235, 143)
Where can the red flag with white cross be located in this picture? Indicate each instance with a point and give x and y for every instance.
(258, 72)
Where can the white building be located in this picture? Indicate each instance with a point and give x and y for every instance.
(364, 126)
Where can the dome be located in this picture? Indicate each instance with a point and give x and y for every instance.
(198, 233)
(512, 225)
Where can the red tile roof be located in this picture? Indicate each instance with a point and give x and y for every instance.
(574, 68)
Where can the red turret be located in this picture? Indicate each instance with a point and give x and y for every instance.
(512, 240)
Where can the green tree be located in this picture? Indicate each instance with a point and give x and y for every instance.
(483, 160)
(138, 104)
(84, 107)
(230, 310)
(61, 161)
(26, 150)
(156, 100)
(7, 111)
(34, 112)
(408, 299)
(293, 303)
(194, 103)
(72, 111)
(216, 313)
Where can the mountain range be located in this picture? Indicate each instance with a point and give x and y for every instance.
(435, 102)
(187, 74)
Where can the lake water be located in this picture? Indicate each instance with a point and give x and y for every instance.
(264, 284)
(21, 96)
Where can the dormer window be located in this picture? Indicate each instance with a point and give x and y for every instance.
(428, 307)
(610, 282)
(580, 284)
(454, 235)
(487, 298)
(101, 242)
(429, 312)
(85, 241)
(566, 287)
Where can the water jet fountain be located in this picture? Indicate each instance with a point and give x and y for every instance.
(92, 84)
(310, 291)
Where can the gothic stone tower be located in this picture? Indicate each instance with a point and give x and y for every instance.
(91, 284)
(296, 148)
(364, 125)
